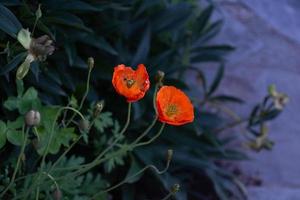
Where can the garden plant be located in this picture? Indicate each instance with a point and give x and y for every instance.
(96, 103)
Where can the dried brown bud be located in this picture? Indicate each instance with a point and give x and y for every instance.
(175, 188)
(32, 118)
(98, 108)
(57, 194)
(279, 99)
(41, 47)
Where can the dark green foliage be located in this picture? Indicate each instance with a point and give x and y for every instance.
(168, 35)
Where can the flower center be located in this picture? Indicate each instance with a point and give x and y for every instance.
(129, 82)
(171, 110)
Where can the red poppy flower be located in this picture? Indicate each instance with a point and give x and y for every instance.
(173, 106)
(132, 84)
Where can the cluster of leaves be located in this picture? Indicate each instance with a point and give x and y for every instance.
(171, 36)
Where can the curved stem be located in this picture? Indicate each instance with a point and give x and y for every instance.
(53, 179)
(154, 120)
(18, 161)
(120, 135)
(126, 179)
(154, 98)
(65, 152)
(146, 131)
(153, 138)
(37, 179)
(168, 196)
(84, 96)
(95, 162)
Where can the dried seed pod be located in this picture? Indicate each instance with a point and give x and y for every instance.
(98, 108)
(41, 47)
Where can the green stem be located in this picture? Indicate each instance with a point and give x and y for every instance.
(98, 161)
(134, 175)
(155, 119)
(63, 155)
(168, 196)
(154, 98)
(37, 179)
(152, 139)
(120, 135)
(53, 179)
(95, 162)
(146, 131)
(18, 161)
(84, 96)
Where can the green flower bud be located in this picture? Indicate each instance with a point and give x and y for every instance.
(84, 125)
(160, 76)
(32, 118)
(91, 62)
(169, 155)
(57, 194)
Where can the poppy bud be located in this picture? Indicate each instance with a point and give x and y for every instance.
(32, 118)
(169, 155)
(175, 188)
(57, 194)
(84, 125)
(159, 76)
(98, 108)
(90, 62)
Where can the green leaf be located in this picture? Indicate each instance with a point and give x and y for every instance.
(204, 17)
(134, 168)
(14, 133)
(214, 48)
(3, 130)
(67, 19)
(143, 48)
(24, 37)
(74, 5)
(23, 69)
(177, 83)
(11, 2)
(15, 137)
(8, 22)
(29, 101)
(20, 87)
(104, 121)
(70, 49)
(174, 17)
(226, 98)
(13, 63)
(217, 80)
(11, 103)
(98, 42)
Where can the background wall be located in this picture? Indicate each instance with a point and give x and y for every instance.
(267, 36)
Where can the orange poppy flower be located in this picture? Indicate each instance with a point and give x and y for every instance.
(173, 106)
(132, 84)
